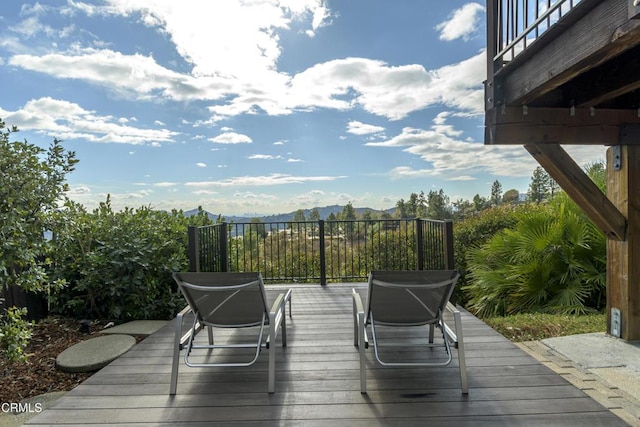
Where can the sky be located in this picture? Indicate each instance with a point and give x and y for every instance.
(248, 107)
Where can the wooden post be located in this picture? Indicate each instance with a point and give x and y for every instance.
(623, 257)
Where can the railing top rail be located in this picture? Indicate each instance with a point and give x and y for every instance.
(437, 221)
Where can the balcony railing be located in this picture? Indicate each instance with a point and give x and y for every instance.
(322, 251)
(521, 22)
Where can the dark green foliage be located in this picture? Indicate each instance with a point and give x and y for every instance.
(32, 183)
(475, 231)
(550, 262)
(553, 261)
(15, 333)
(117, 265)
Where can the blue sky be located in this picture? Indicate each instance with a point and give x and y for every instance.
(258, 106)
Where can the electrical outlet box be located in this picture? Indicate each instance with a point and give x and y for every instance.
(616, 322)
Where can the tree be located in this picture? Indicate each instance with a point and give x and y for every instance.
(496, 193)
(462, 208)
(32, 185)
(417, 206)
(511, 196)
(438, 205)
(480, 203)
(542, 186)
(348, 213)
(298, 216)
(401, 209)
(314, 215)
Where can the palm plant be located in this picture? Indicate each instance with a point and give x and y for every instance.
(553, 260)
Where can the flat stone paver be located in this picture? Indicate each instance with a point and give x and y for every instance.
(94, 353)
(136, 327)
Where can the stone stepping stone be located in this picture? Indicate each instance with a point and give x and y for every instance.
(94, 353)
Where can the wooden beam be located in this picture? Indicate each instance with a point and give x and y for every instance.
(556, 125)
(599, 36)
(618, 77)
(623, 257)
(575, 182)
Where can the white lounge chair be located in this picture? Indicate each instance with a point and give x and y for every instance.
(228, 300)
(409, 298)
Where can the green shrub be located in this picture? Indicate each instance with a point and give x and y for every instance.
(118, 265)
(15, 333)
(474, 231)
(552, 261)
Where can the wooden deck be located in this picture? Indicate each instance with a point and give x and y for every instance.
(317, 383)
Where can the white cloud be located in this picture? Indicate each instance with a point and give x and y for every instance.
(358, 128)
(247, 43)
(231, 138)
(273, 179)
(201, 165)
(263, 157)
(453, 159)
(462, 23)
(66, 120)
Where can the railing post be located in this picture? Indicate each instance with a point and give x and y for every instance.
(224, 242)
(323, 258)
(449, 259)
(193, 248)
(420, 243)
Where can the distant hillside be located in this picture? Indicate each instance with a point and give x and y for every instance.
(323, 211)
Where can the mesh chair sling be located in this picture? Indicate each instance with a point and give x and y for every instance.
(409, 298)
(228, 300)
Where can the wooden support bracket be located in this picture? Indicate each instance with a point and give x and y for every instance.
(577, 184)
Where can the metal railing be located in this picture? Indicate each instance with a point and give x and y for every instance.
(322, 251)
(518, 23)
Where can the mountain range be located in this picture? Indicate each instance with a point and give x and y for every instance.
(286, 217)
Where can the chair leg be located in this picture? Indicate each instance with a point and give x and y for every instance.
(462, 363)
(284, 330)
(361, 349)
(176, 355)
(210, 332)
(272, 356)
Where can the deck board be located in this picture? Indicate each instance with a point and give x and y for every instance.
(317, 383)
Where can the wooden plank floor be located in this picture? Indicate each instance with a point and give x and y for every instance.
(317, 383)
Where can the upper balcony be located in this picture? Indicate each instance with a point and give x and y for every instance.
(563, 71)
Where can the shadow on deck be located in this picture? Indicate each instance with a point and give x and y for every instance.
(317, 383)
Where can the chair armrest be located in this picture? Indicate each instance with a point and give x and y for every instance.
(179, 318)
(358, 307)
(359, 326)
(279, 309)
(453, 336)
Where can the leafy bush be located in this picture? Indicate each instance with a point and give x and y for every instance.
(15, 333)
(474, 231)
(33, 181)
(552, 261)
(118, 265)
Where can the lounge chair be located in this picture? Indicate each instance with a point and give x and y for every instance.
(409, 298)
(228, 300)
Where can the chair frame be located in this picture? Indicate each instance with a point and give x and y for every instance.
(275, 318)
(362, 317)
